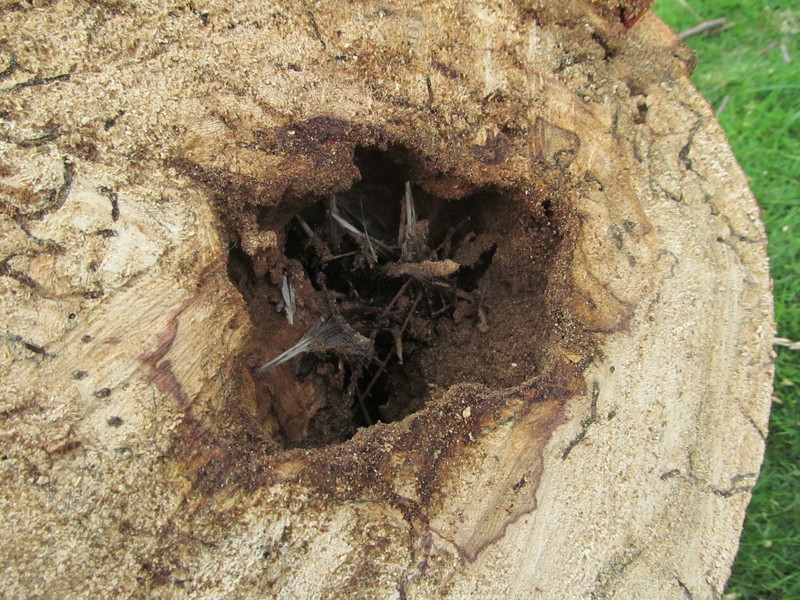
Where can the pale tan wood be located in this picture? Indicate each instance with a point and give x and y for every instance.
(136, 459)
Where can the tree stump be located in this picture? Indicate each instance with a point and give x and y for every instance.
(581, 409)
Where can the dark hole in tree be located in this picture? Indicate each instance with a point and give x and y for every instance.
(378, 252)
(394, 298)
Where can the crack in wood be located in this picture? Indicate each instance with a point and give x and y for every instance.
(429, 86)
(608, 51)
(13, 65)
(752, 422)
(707, 487)
(416, 565)
(6, 270)
(37, 81)
(314, 26)
(593, 418)
(686, 591)
(612, 572)
(34, 348)
(113, 198)
(668, 194)
(111, 121)
(48, 245)
(683, 154)
(50, 134)
(30, 346)
(675, 262)
(55, 201)
(738, 236)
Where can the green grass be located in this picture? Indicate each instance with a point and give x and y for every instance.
(762, 120)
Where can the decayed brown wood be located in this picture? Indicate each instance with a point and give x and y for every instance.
(595, 433)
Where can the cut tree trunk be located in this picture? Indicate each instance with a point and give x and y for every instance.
(578, 412)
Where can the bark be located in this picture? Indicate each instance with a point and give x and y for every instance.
(151, 157)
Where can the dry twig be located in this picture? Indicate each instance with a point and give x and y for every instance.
(786, 343)
(768, 48)
(703, 27)
(723, 105)
(787, 58)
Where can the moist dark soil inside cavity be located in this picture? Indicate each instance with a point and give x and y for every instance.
(381, 297)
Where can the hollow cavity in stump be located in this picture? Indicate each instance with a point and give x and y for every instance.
(380, 297)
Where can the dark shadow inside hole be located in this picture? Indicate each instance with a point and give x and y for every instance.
(547, 205)
(448, 326)
(240, 270)
(469, 277)
(374, 249)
